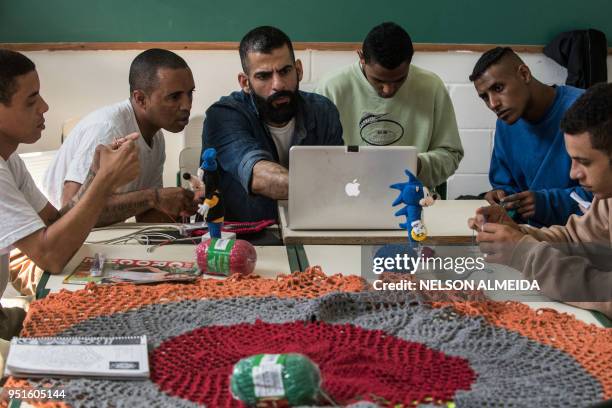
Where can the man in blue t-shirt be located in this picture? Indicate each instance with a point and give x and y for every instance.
(530, 167)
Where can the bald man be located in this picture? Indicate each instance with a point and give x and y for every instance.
(530, 166)
(161, 91)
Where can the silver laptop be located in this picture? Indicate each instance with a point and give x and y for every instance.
(346, 187)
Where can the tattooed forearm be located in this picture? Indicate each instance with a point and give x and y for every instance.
(119, 207)
(123, 206)
(75, 199)
(270, 180)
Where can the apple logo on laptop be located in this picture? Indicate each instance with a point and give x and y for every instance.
(352, 188)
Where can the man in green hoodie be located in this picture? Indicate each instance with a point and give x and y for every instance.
(385, 100)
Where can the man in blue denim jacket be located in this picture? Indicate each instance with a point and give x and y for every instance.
(253, 129)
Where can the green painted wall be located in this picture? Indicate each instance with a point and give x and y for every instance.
(428, 21)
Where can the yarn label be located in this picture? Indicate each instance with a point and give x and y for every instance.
(268, 376)
(221, 244)
(218, 258)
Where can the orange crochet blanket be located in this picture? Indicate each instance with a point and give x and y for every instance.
(587, 347)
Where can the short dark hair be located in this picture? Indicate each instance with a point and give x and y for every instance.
(592, 113)
(388, 45)
(489, 58)
(143, 71)
(263, 39)
(12, 65)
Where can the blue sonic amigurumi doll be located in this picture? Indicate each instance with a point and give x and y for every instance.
(414, 196)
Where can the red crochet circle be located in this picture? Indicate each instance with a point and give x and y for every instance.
(355, 363)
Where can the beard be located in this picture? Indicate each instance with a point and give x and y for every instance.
(277, 114)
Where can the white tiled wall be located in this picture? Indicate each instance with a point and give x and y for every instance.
(77, 82)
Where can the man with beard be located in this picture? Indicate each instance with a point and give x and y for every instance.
(529, 169)
(253, 129)
(161, 90)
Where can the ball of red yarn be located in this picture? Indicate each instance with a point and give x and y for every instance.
(226, 257)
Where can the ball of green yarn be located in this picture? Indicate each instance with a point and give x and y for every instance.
(299, 375)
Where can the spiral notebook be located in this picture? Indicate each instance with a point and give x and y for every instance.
(101, 357)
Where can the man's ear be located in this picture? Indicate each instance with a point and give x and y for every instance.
(139, 98)
(243, 81)
(525, 73)
(361, 57)
(299, 69)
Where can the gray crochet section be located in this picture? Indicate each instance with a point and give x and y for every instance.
(510, 368)
(113, 394)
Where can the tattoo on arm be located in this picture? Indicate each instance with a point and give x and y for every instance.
(119, 207)
(123, 206)
(270, 180)
(75, 199)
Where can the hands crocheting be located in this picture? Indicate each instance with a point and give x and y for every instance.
(497, 234)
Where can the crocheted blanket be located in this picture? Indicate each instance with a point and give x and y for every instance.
(390, 349)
